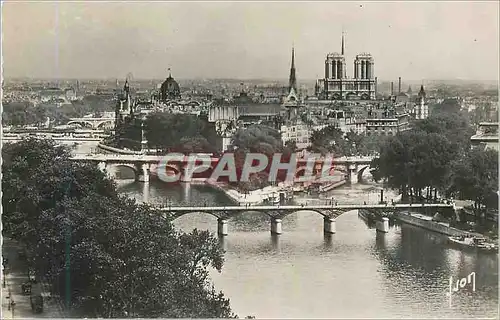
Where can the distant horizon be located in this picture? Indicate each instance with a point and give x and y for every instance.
(284, 80)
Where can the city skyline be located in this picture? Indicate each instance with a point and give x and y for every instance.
(444, 40)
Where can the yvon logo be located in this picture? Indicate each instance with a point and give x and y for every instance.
(278, 167)
(461, 284)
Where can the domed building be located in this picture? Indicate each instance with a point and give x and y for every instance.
(169, 89)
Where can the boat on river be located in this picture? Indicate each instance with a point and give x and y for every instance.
(473, 243)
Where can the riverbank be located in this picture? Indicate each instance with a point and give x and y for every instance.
(426, 222)
(254, 197)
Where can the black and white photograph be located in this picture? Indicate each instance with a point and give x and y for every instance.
(250, 159)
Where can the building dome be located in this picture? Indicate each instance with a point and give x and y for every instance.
(170, 89)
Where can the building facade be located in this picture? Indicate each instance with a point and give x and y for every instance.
(486, 135)
(421, 107)
(387, 125)
(337, 86)
(297, 132)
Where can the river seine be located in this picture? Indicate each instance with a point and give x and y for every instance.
(357, 273)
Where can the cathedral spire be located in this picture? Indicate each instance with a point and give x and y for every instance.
(421, 93)
(292, 83)
(126, 87)
(342, 49)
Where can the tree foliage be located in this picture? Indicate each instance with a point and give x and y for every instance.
(475, 177)
(414, 160)
(257, 139)
(121, 259)
(332, 140)
(455, 126)
(179, 133)
(436, 155)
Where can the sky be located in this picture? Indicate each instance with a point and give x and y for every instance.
(248, 40)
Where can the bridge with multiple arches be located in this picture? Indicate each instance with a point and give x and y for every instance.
(94, 123)
(278, 212)
(143, 165)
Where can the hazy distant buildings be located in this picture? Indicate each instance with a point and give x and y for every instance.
(337, 86)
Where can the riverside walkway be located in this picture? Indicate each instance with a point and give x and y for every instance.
(16, 305)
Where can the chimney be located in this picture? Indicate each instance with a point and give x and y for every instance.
(399, 88)
(392, 88)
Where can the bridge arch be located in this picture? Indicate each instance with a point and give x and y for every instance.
(362, 170)
(240, 213)
(176, 215)
(172, 168)
(81, 123)
(104, 124)
(303, 210)
(114, 169)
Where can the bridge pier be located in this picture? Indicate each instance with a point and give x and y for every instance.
(383, 226)
(102, 166)
(145, 193)
(353, 173)
(329, 225)
(276, 226)
(186, 174)
(143, 174)
(222, 228)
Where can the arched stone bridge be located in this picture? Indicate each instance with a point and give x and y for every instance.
(95, 123)
(277, 213)
(355, 166)
(143, 165)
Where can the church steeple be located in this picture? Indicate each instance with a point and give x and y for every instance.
(421, 93)
(292, 82)
(342, 49)
(126, 87)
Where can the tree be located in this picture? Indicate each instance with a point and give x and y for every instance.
(371, 144)
(328, 140)
(454, 126)
(109, 255)
(179, 133)
(475, 177)
(291, 145)
(256, 137)
(414, 160)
